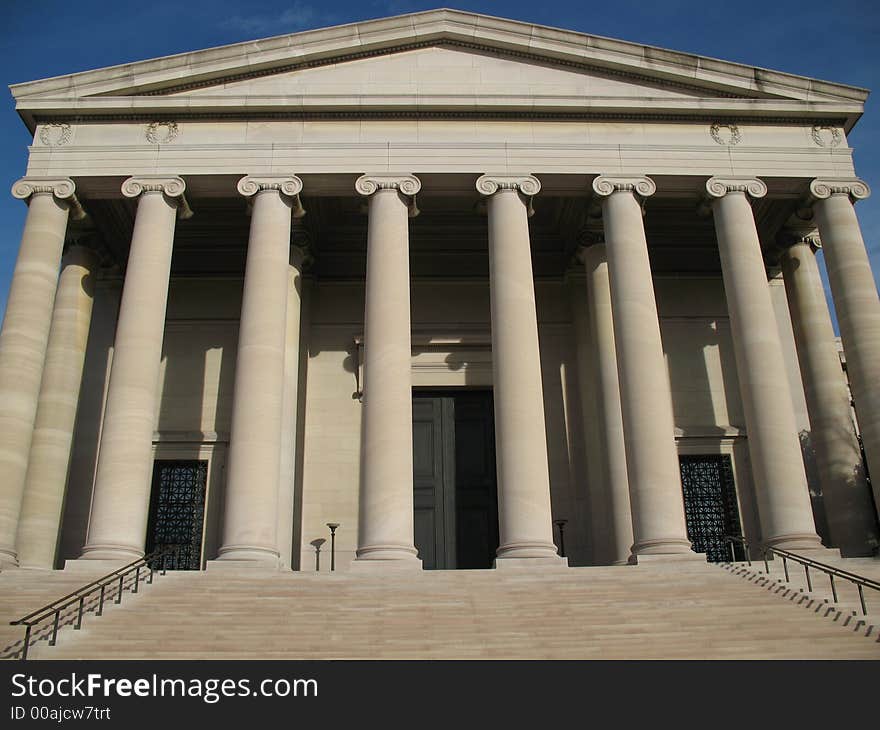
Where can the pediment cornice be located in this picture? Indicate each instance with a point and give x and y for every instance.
(151, 83)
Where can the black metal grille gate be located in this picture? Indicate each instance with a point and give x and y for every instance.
(177, 510)
(710, 504)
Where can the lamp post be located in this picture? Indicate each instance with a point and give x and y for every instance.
(317, 545)
(561, 525)
(332, 526)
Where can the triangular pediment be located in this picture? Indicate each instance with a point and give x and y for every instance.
(437, 60)
(443, 70)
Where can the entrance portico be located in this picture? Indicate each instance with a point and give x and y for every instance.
(302, 393)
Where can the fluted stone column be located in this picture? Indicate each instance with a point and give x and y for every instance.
(611, 439)
(645, 396)
(24, 336)
(851, 516)
(250, 521)
(121, 498)
(855, 301)
(524, 516)
(385, 523)
(777, 463)
(289, 405)
(49, 460)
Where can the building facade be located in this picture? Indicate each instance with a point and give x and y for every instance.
(463, 286)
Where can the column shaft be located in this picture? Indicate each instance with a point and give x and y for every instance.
(777, 463)
(121, 498)
(611, 440)
(23, 341)
(645, 395)
(857, 306)
(851, 516)
(46, 480)
(385, 529)
(524, 511)
(289, 408)
(251, 515)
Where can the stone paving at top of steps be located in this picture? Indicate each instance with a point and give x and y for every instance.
(698, 611)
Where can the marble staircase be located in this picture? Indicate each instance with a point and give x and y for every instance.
(677, 611)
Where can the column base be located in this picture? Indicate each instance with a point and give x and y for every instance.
(662, 546)
(98, 566)
(8, 559)
(797, 541)
(249, 554)
(379, 558)
(688, 558)
(119, 553)
(544, 563)
(243, 567)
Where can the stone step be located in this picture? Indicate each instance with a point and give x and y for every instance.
(686, 611)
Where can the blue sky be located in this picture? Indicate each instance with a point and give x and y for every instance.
(835, 42)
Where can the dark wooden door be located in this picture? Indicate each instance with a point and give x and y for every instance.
(455, 497)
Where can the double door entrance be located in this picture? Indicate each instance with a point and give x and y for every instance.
(455, 495)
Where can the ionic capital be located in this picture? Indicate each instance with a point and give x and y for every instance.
(855, 189)
(62, 188)
(288, 185)
(794, 235)
(605, 185)
(490, 184)
(718, 187)
(171, 187)
(588, 238)
(404, 183)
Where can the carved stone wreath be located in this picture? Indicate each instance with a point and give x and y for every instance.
(55, 134)
(727, 135)
(161, 132)
(820, 134)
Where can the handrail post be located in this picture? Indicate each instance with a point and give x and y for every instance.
(79, 617)
(732, 550)
(27, 642)
(748, 553)
(100, 611)
(833, 589)
(862, 599)
(137, 579)
(766, 563)
(55, 628)
(119, 591)
(785, 568)
(809, 582)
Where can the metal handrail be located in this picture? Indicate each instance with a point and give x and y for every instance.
(860, 581)
(56, 607)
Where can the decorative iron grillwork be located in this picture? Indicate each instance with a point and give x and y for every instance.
(710, 505)
(177, 511)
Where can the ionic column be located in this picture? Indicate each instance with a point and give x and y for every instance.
(250, 519)
(839, 461)
(645, 396)
(777, 463)
(121, 498)
(289, 405)
(855, 301)
(524, 517)
(56, 410)
(24, 336)
(385, 524)
(611, 439)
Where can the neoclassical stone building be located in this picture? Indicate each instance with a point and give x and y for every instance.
(443, 279)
